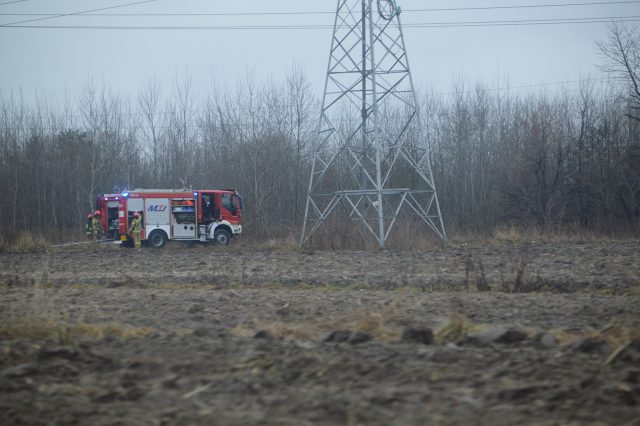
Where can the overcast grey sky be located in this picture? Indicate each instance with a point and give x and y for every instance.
(51, 59)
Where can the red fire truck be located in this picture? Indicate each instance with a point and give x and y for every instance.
(213, 215)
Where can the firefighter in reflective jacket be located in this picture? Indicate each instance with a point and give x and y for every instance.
(96, 225)
(88, 227)
(134, 230)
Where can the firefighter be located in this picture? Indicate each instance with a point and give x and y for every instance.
(134, 230)
(88, 227)
(96, 224)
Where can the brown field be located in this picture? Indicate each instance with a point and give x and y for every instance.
(544, 333)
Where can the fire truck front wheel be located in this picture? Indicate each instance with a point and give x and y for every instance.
(222, 237)
(157, 239)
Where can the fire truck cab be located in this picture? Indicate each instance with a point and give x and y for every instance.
(199, 215)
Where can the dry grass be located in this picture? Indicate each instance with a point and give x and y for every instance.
(562, 337)
(38, 242)
(618, 333)
(24, 242)
(455, 329)
(382, 324)
(511, 234)
(278, 329)
(41, 328)
(336, 234)
(523, 234)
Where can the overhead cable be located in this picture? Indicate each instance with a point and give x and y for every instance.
(75, 13)
(452, 9)
(451, 24)
(523, 6)
(10, 2)
(531, 86)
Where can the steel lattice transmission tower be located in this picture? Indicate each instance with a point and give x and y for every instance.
(369, 158)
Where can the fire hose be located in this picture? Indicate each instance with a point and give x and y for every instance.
(85, 242)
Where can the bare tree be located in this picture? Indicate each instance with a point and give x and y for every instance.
(181, 134)
(301, 107)
(149, 102)
(621, 51)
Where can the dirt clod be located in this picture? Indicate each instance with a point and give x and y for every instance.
(546, 340)
(496, 334)
(512, 335)
(342, 336)
(587, 344)
(262, 334)
(418, 335)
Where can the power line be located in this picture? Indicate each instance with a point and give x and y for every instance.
(75, 13)
(451, 24)
(10, 2)
(455, 9)
(530, 86)
(602, 19)
(526, 6)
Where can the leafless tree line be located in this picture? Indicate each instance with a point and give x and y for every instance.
(549, 160)
(545, 161)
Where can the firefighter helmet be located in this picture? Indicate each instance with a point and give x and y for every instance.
(96, 213)
(136, 214)
(90, 216)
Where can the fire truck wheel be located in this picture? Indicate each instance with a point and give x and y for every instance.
(222, 237)
(157, 239)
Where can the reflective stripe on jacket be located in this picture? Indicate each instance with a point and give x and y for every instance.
(96, 224)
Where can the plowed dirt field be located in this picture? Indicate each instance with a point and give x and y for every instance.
(499, 334)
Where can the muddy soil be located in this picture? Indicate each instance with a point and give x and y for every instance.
(500, 334)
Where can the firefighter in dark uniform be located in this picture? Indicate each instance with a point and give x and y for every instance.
(88, 227)
(96, 224)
